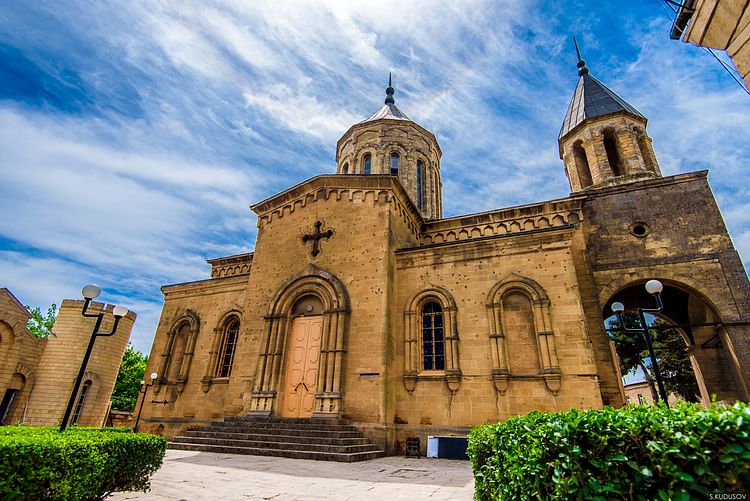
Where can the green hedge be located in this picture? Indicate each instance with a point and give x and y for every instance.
(638, 452)
(79, 463)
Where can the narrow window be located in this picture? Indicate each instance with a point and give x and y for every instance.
(367, 165)
(613, 157)
(228, 343)
(6, 405)
(420, 184)
(433, 353)
(641, 400)
(395, 162)
(643, 145)
(582, 165)
(81, 401)
(345, 168)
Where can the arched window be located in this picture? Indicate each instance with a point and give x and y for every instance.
(367, 165)
(395, 162)
(433, 337)
(420, 184)
(228, 344)
(613, 156)
(345, 168)
(81, 401)
(178, 352)
(582, 165)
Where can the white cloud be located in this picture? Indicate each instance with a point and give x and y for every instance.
(197, 109)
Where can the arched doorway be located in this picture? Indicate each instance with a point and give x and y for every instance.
(704, 342)
(327, 320)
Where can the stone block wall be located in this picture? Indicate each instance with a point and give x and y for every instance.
(61, 360)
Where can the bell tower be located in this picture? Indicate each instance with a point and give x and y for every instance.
(603, 140)
(390, 144)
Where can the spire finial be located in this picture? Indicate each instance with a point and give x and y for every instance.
(389, 91)
(582, 69)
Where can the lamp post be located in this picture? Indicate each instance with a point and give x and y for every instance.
(90, 292)
(143, 389)
(653, 287)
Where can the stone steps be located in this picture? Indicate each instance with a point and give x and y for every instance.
(290, 431)
(321, 440)
(327, 440)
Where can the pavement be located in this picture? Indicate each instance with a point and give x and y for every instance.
(189, 475)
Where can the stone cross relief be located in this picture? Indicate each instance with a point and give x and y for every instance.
(316, 237)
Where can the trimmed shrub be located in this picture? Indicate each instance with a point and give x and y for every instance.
(79, 463)
(638, 453)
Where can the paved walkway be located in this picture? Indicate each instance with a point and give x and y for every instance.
(187, 475)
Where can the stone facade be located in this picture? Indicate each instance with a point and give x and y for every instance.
(37, 375)
(719, 24)
(430, 325)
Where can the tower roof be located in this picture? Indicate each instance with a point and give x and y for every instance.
(389, 109)
(592, 99)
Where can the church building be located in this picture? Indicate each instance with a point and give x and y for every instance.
(361, 303)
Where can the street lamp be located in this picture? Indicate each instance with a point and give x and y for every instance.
(143, 389)
(653, 287)
(90, 292)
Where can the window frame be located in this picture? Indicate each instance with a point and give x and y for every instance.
(437, 359)
(395, 155)
(230, 337)
(420, 184)
(367, 164)
(80, 402)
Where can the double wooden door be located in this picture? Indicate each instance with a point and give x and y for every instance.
(301, 374)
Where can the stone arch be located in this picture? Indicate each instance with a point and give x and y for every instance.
(178, 352)
(539, 326)
(582, 166)
(18, 391)
(390, 148)
(412, 337)
(7, 337)
(362, 156)
(326, 287)
(612, 150)
(88, 398)
(702, 325)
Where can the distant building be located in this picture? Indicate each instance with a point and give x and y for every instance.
(640, 392)
(37, 375)
(719, 24)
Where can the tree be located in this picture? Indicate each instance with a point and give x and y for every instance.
(129, 379)
(671, 351)
(41, 325)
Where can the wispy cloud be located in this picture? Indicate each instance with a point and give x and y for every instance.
(135, 134)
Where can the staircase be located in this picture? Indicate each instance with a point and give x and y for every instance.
(322, 439)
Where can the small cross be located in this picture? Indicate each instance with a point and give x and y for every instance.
(317, 237)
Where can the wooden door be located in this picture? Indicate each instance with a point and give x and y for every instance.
(301, 374)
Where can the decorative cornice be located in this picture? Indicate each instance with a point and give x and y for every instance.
(341, 187)
(522, 219)
(231, 265)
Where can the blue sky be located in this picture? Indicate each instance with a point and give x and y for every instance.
(134, 135)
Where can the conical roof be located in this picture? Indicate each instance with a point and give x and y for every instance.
(389, 109)
(592, 99)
